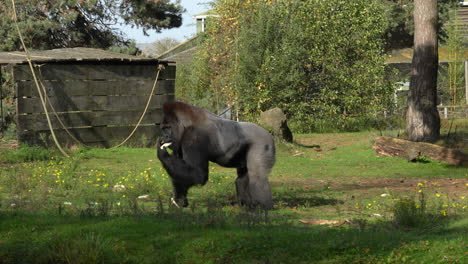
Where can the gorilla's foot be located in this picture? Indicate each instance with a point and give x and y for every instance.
(179, 203)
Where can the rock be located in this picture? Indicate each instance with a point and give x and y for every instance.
(274, 120)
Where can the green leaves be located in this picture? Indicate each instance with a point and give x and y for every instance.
(72, 23)
(315, 59)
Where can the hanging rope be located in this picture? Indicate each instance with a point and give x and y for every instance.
(160, 68)
(53, 109)
(28, 57)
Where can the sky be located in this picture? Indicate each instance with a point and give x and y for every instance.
(181, 33)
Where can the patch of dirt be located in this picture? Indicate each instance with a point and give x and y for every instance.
(332, 141)
(444, 185)
(10, 144)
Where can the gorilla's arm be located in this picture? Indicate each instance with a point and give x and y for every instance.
(186, 169)
(190, 169)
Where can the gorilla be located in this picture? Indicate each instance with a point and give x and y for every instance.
(197, 136)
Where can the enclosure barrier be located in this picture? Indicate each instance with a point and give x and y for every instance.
(99, 104)
(457, 111)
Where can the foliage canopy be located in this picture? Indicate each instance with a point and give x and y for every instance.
(85, 23)
(315, 59)
(400, 31)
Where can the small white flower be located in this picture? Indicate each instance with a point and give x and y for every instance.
(385, 194)
(143, 196)
(119, 187)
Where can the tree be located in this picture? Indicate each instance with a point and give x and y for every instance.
(399, 13)
(422, 119)
(129, 49)
(321, 63)
(161, 46)
(85, 23)
(452, 75)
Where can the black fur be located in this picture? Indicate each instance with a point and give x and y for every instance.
(198, 136)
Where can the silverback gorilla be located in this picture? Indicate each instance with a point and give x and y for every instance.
(197, 136)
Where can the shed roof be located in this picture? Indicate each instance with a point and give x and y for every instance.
(70, 55)
(205, 14)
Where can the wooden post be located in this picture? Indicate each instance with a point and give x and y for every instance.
(466, 81)
(445, 112)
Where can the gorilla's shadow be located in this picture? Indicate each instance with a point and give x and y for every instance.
(305, 146)
(302, 198)
(306, 201)
(292, 199)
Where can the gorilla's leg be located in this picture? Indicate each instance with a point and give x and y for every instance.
(242, 186)
(260, 160)
(180, 193)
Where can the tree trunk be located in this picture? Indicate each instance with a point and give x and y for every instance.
(422, 118)
(394, 147)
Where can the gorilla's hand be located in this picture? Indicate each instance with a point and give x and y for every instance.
(161, 148)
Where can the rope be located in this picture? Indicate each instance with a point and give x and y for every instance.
(28, 57)
(32, 56)
(54, 111)
(160, 68)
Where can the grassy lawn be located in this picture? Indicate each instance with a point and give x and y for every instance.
(335, 202)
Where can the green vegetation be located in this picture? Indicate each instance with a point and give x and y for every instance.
(335, 202)
(25, 154)
(325, 70)
(451, 86)
(399, 33)
(321, 62)
(77, 23)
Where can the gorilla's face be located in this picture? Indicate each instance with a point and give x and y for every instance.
(167, 136)
(169, 129)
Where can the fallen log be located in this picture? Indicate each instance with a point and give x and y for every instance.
(395, 147)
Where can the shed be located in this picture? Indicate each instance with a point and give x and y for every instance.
(94, 96)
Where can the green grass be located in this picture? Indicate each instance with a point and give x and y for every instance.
(351, 155)
(75, 210)
(147, 239)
